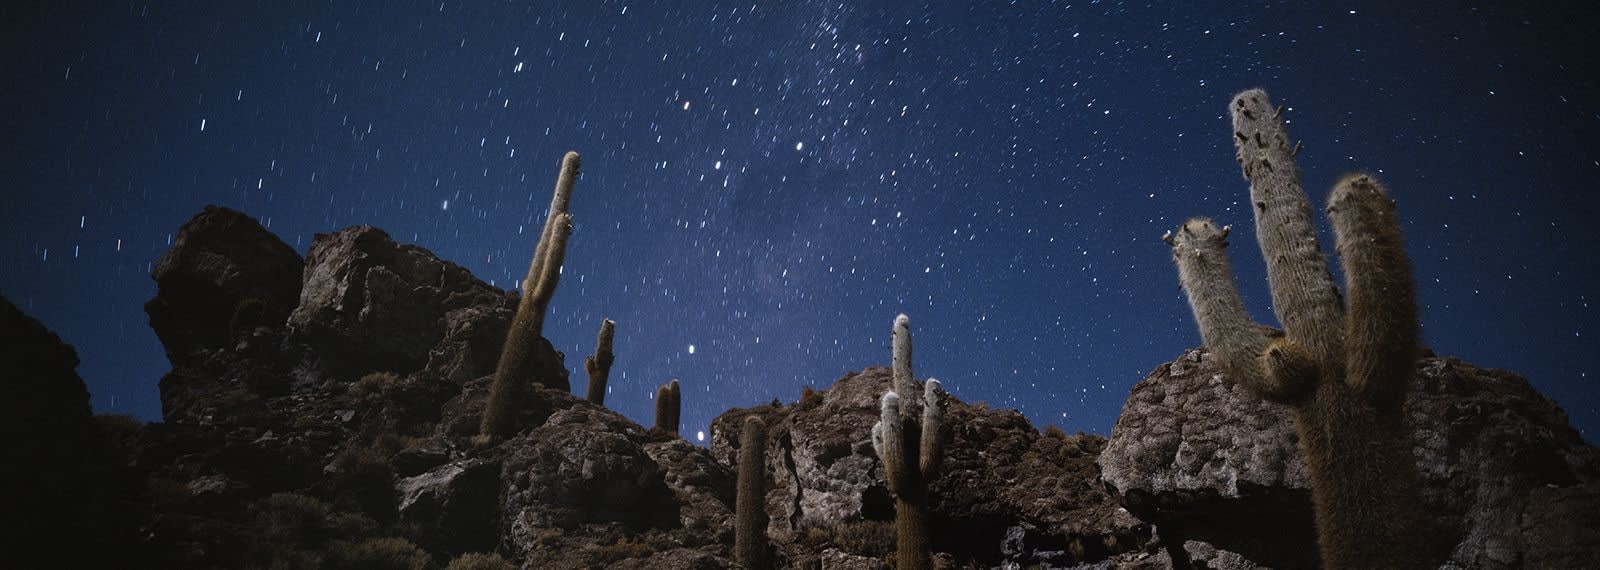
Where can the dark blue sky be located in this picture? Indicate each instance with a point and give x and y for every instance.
(767, 184)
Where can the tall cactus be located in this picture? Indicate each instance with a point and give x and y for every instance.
(912, 452)
(750, 505)
(1344, 367)
(512, 373)
(599, 364)
(668, 407)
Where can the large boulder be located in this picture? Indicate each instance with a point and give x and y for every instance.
(1505, 480)
(223, 275)
(584, 465)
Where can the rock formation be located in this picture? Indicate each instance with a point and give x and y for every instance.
(282, 446)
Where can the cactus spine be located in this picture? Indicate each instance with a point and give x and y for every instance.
(510, 375)
(750, 505)
(599, 364)
(668, 398)
(1343, 367)
(912, 452)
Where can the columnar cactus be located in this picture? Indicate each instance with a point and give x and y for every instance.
(750, 505)
(1343, 365)
(512, 374)
(912, 451)
(599, 364)
(668, 410)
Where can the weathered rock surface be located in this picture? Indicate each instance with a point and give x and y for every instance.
(397, 308)
(1505, 478)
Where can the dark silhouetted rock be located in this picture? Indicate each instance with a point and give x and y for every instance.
(223, 275)
(66, 484)
(1505, 478)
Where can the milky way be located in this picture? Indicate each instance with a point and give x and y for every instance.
(767, 185)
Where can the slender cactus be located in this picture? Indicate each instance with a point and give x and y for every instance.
(599, 364)
(750, 505)
(1343, 368)
(668, 398)
(513, 373)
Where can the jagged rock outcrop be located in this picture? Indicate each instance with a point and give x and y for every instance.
(288, 442)
(397, 308)
(1205, 461)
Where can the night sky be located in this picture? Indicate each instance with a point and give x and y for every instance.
(766, 185)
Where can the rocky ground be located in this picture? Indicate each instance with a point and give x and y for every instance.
(320, 413)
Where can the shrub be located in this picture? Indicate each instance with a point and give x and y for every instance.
(479, 561)
(388, 553)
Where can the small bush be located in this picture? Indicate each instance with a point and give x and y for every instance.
(372, 386)
(364, 480)
(293, 518)
(624, 549)
(479, 561)
(871, 538)
(809, 398)
(389, 553)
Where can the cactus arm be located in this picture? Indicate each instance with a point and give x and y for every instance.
(598, 365)
(931, 455)
(889, 441)
(1381, 328)
(1238, 343)
(550, 273)
(674, 406)
(559, 202)
(903, 379)
(1303, 293)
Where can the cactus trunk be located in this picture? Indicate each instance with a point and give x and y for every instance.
(598, 365)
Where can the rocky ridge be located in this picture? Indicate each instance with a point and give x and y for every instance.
(320, 413)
